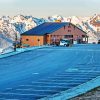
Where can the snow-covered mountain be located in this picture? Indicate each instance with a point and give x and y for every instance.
(6, 44)
(12, 27)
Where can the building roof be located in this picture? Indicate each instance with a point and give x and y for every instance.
(46, 28)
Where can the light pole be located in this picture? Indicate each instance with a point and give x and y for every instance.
(14, 44)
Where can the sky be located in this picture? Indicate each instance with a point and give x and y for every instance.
(45, 8)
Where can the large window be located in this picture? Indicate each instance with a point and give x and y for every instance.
(69, 30)
(68, 36)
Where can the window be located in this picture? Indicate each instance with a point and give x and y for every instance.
(64, 27)
(47, 35)
(69, 26)
(69, 30)
(27, 39)
(68, 36)
(38, 39)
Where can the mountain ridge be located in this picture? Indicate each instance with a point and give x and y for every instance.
(11, 27)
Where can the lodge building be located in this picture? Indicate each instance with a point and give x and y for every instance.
(52, 32)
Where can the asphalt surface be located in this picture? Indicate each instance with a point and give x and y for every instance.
(43, 72)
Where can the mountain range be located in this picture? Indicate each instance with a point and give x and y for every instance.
(10, 27)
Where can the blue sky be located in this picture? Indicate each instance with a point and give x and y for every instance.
(44, 8)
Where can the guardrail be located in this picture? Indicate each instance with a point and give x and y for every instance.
(20, 50)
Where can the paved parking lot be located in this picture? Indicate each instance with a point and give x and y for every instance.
(44, 72)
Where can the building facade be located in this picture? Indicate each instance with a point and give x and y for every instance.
(51, 33)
